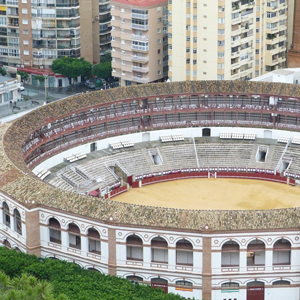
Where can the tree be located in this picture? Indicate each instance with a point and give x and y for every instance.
(26, 287)
(72, 67)
(40, 79)
(105, 58)
(24, 75)
(102, 70)
(2, 71)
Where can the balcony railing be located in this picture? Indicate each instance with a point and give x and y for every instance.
(139, 26)
(140, 37)
(16, 34)
(140, 48)
(140, 79)
(140, 58)
(139, 16)
(140, 69)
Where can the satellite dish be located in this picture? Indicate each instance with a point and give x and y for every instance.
(49, 125)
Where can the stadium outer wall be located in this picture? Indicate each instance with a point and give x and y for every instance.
(43, 220)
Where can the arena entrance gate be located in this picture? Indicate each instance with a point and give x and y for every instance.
(255, 290)
(160, 283)
(206, 132)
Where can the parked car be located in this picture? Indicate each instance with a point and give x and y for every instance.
(90, 85)
(21, 88)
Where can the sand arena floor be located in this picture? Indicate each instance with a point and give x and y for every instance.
(221, 193)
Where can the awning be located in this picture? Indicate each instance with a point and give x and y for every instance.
(37, 71)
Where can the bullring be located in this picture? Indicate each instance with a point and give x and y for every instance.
(211, 253)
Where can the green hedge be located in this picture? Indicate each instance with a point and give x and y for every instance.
(75, 282)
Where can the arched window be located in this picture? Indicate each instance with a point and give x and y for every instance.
(282, 252)
(281, 282)
(54, 231)
(256, 253)
(7, 244)
(134, 279)
(159, 250)
(230, 287)
(6, 216)
(134, 248)
(183, 282)
(184, 253)
(230, 254)
(94, 241)
(17, 221)
(74, 236)
(160, 283)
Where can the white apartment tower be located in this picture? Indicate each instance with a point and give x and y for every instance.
(139, 41)
(228, 39)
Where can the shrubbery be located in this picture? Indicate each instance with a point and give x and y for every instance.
(75, 282)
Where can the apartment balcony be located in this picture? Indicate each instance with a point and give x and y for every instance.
(235, 54)
(235, 65)
(246, 16)
(236, 21)
(235, 43)
(140, 69)
(142, 59)
(236, 31)
(38, 37)
(140, 48)
(105, 41)
(13, 24)
(13, 14)
(139, 16)
(104, 10)
(68, 46)
(67, 16)
(235, 76)
(140, 37)
(103, 31)
(139, 26)
(104, 20)
(140, 79)
(103, 52)
(12, 3)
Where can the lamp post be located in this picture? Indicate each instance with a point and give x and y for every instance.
(45, 83)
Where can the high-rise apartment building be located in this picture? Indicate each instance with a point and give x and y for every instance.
(228, 39)
(139, 40)
(34, 32)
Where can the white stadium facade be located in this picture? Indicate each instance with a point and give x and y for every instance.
(63, 163)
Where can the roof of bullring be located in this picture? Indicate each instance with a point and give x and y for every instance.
(18, 182)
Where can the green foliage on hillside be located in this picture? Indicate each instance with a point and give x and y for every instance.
(75, 282)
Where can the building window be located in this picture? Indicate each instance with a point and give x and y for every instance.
(194, 61)
(194, 28)
(6, 216)
(187, 50)
(220, 54)
(159, 250)
(158, 20)
(54, 231)
(158, 41)
(25, 31)
(188, 61)
(188, 38)
(26, 52)
(158, 51)
(25, 42)
(194, 73)
(158, 30)
(24, 21)
(159, 62)
(159, 72)
(195, 50)
(194, 39)
(24, 11)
